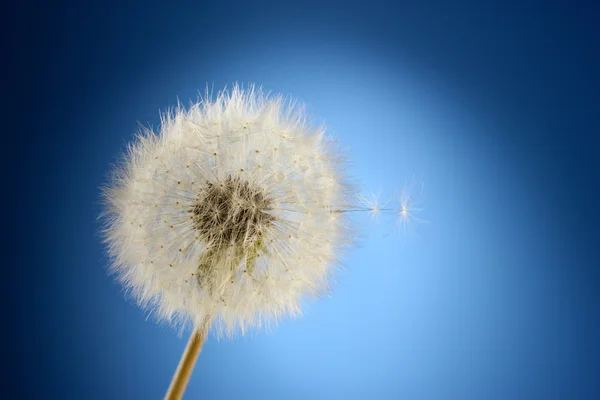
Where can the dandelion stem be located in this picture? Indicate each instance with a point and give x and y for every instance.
(188, 360)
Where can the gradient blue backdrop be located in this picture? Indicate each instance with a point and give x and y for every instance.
(493, 107)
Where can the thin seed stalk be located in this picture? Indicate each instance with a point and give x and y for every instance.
(188, 360)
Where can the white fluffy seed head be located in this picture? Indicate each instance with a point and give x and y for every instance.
(234, 210)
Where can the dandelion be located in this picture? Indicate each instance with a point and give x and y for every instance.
(229, 215)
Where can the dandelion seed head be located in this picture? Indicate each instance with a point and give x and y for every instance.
(227, 210)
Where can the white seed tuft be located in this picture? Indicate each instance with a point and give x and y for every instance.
(233, 209)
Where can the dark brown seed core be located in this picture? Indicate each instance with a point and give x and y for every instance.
(231, 212)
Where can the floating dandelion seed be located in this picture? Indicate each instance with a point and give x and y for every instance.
(408, 208)
(372, 204)
(229, 215)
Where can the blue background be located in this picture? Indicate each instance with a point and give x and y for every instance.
(493, 107)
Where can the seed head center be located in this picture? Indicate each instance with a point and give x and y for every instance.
(231, 212)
